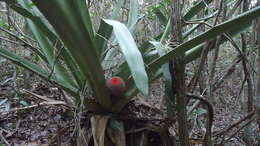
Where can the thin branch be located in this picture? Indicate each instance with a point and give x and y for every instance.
(229, 71)
(10, 41)
(44, 98)
(55, 61)
(25, 44)
(3, 138)
(235, 124)
(239, 129)
(32, 106)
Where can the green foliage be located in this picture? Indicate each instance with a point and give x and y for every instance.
(116, 125)
(2, 59)
(76, 55)
(161, 10)
(200, 111)
(132, 55)
(3, 24)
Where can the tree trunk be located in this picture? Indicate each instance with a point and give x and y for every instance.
(177, 66)
(257, 99)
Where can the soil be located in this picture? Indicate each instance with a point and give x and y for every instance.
(55, 124)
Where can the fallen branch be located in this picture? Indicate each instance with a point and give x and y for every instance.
(33, 106)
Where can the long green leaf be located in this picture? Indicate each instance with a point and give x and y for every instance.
(196, 9)
(105, 31)
(162, 18)
(36, 19)
(149, 55)
(36, 69)
(169, 96)
(47, 30)
(195, 52)
(131, 54)
(78, 36)
(197, 41)
(230, 25)
(48, 49)
(102, 36)
(109, 55)
(37, 23)
(133, 15)
(117, 8)
(123, 70)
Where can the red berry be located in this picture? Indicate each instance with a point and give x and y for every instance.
(116, 86)
(116, 81)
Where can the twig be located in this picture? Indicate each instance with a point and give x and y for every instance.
(199, 22)
(40, 97)
(209, 9)
(234, 8)
(194, 106)
(239, 129)
(10, 41)
(33, 106)
(25, 44)
(19, 31)
(131, 131)
(6, 81)
(242, 87)
(210, 114)
(234, 44)
(201, 65)
(229, 71)
(193, 125)
(146, 104)
(55, 60)
(57, 136)
(235, 124)
(3, 138)
(219, 12)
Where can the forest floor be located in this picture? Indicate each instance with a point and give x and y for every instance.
(23, 121)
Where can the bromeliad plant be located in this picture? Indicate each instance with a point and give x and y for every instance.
(77, 55)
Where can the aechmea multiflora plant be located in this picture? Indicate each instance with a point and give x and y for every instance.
(116, 86)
